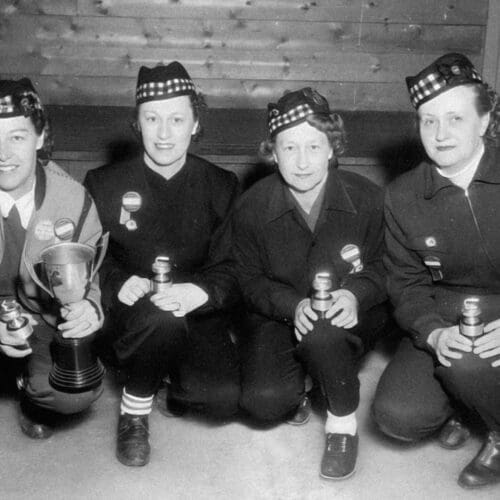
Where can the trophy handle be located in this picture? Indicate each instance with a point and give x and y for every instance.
(35, 277)
(101, 248)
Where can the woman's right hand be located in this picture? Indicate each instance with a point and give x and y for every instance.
(446, 342)
(133, 289)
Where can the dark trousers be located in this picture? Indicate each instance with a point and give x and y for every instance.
(416, 394)
(38, 395)
(198, 356)
(273, 365)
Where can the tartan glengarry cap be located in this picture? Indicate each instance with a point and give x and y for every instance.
(446, 72)
(294, 108)
(18, 98)
(163, 82)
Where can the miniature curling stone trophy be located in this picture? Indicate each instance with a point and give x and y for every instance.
(17, 324)
(321, 298)
(471, 325)
(68, 269)
(161, 280)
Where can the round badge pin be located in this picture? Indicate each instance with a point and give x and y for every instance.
(131, 201)
(64, 229)
(131, 225)
(44, 230)
(430, 241)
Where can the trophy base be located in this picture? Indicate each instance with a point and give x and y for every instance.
(75, 382)
(76, 368)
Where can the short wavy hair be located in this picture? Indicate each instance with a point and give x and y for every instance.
(34, 110)
(487, 101)
(332, 125)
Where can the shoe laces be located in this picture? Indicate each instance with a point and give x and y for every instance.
(337, 443)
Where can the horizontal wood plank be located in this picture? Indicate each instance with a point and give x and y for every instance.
(227, 131)
(57, 59)
(54, 7)
(88, 91)
(33, 30)
(434, 11)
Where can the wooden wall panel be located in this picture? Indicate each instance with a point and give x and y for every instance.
(242, 53)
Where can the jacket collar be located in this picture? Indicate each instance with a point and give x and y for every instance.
(487, 172)
(336, 197)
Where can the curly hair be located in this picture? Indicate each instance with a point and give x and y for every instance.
(332, 125)
(198, 105)
(487, 101)
(32, 108)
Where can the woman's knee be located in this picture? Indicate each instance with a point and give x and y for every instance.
(269, 403)
(402, 420)
(62, 402)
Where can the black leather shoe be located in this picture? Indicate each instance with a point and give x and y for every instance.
(339, 458)
(485, 467)
(132, 446)
(454, 434)
(168, 406)
(302, 413)
(33, 428)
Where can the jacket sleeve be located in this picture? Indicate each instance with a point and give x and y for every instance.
(216, 277)
(262, 294)
(409, 282)
(369, 285)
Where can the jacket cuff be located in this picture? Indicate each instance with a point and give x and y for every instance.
(424, 326)
(365, 292)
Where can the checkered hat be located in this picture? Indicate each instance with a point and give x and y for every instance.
(18, 98)
(444, 73)
(163, 82)
(294, 108)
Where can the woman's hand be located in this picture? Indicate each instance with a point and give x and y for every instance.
(180, 299)
(303, 318)
(133, 289)
(446, 342)
(488, 345)
(344, 311)
(81, 320)
(9, 339)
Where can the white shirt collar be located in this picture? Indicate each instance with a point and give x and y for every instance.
(464, 177)
(25, 205)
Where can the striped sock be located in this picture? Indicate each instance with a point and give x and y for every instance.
(134, 405)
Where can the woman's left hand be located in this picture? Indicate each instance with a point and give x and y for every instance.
(344, 311)
(81, 319)
(488, 345)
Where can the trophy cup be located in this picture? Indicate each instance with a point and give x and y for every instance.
(68, 269)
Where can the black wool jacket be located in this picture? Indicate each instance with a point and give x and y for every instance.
(184, 218)
(277, 255)
(443, 245)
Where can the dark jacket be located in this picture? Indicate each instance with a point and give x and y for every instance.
(430, 220)
(277, 255)
(188, 226)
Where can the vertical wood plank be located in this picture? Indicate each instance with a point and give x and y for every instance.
(491, 61)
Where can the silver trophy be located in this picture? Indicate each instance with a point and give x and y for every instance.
(67, 270)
